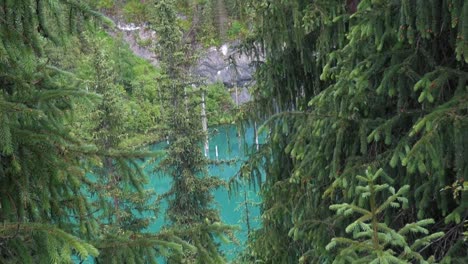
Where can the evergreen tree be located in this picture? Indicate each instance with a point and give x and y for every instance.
(51, 209)
(190, 201)
(376, 242)
(344, 87)
(42, 205)
(122, 200)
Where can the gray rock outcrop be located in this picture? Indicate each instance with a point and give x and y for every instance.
(228, 66)
(225, 64)
(134, 35)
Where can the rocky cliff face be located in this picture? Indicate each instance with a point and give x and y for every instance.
(228, 66)
(224, 64)
(135, 36)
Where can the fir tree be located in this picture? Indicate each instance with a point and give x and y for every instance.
(119, 178)
(42, 207)
(50, 209)
(341, 90)
(374, 241)
(190, 201)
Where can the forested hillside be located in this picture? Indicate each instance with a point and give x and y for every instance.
(363, 105)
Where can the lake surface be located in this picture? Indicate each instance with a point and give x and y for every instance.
(230, 146)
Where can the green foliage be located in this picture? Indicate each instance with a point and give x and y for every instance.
(212, 22)
(136, 11)
(376, 242)
(52, 244)
(42, 207)
(136, 91)
(208, 34)
(67, 188)
(107, 4)
(384, 86)
(40, 163)
(237, 30)
(236, 10)
(190, 210)
(219, 104)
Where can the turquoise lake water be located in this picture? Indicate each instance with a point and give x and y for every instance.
(230, 146)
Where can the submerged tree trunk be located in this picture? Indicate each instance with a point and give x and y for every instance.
(205, 125)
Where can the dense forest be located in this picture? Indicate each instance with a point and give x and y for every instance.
(363, 106)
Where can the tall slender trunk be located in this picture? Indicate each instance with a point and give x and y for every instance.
(205, 124)
(247, 213)
(221, 19)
